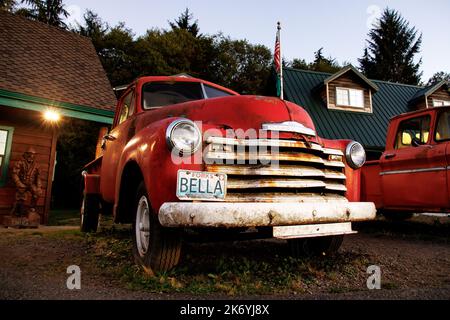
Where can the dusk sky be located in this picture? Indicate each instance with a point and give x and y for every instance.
(340, 27)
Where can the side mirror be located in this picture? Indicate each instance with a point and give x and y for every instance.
(100, 141)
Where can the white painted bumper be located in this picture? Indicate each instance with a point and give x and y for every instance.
(230, 215)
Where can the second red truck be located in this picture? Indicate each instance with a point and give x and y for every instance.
(412, 175)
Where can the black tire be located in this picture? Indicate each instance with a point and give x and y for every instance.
(89, 213)
(396, 215)
(309, 247)
(164, 245)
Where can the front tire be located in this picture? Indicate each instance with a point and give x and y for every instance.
(155, 248)
(89, 213)
(310, 247)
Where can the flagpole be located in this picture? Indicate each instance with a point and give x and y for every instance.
(281, 63)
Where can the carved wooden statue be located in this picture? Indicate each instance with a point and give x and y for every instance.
(26, 177)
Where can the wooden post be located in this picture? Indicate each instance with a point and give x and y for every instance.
(51, 170)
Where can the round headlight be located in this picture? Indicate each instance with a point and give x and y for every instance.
(355, 155)
(184, 136)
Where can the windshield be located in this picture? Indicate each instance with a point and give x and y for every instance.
(160, 94)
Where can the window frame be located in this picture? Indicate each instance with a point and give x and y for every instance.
(438, 118)
(129, 92)
(445, 103)
(6, 158)
(205, 93)
(202, 91)
(362, 107)
(422, 118)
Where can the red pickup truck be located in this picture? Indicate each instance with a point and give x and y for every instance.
(184, 153)
(412, 174)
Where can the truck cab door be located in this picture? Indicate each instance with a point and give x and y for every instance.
(115, 142)
(414, 171)
(442, 139)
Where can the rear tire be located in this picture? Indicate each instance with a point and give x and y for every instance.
(89, 213)
(155, 248)
(309, 247)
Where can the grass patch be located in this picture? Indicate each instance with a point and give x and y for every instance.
(244, 268)
(65, 234)
(390, 286)
(64, 218)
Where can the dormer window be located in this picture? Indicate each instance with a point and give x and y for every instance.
(435, 95)
(347, 97)
(441, 103)
(348, 90)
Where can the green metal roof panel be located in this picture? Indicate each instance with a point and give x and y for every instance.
(369, 129)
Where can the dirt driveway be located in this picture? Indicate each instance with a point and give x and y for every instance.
(414, 258)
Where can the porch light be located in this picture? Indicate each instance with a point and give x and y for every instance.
(52, 115)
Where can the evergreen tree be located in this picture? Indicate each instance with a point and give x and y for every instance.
(391, 49)
(51, 12)
(438, 77)
(320, 63)
(93, 28)
(8, 5)
(184, 23)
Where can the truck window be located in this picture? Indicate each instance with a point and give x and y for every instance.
(416, 128)
(443, 127)
(214, 93)
(160, 94)
(127, 107)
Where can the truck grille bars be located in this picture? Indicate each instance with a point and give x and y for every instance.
(270, 170)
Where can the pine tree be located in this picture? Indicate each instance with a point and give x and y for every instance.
(438, 77)
(51, 12)
(184, 23)
(8, 5)
(320, 63)
(391, 49)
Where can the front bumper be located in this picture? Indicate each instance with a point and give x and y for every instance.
(233, 215)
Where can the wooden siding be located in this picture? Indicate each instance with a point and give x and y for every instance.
(351, 81)
(29, 131)
(441, 94)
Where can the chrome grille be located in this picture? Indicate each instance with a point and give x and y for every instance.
(303, 171)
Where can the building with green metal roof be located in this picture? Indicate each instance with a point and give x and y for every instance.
(383, 100)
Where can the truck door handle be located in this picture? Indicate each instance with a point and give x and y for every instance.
(389, 156)
(109, 137)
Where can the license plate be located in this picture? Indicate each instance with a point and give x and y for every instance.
(195, 185)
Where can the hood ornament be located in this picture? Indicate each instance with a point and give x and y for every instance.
(289, 126)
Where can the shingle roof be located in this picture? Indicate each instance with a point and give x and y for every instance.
(370, 129)
(47, 62)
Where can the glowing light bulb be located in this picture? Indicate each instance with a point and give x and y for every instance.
(52, 115)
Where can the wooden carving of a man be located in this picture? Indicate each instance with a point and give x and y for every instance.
(26, 177)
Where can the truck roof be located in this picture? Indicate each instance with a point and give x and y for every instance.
(176, 78)
(419, 112)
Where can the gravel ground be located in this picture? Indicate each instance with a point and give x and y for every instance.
(414, 260)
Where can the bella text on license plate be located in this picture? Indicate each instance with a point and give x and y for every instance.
(195, 185)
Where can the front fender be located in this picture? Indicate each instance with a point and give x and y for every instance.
(353, 182)
(149, 150)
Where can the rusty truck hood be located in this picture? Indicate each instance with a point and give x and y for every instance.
(236, 112)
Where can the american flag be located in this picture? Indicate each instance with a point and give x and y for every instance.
(278, 64)
(277, 58)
